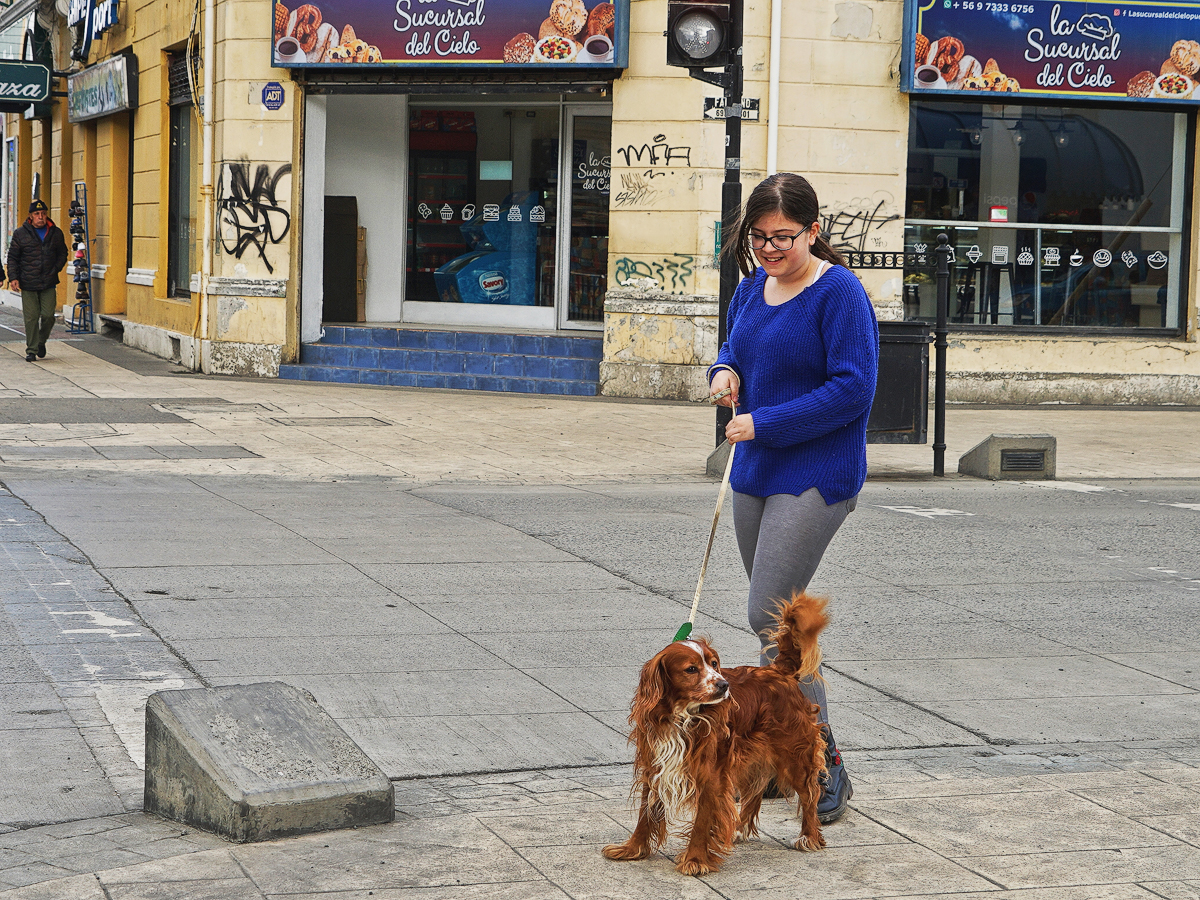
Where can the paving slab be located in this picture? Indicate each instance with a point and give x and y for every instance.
(988, 824)
(292, 582)
(1082, 867)
(1127, 717)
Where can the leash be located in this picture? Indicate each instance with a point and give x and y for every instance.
(686, 628)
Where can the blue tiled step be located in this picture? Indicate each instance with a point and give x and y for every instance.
(462, 360)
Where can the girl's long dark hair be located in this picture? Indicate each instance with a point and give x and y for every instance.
(785, 193)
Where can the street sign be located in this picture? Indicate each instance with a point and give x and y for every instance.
(714, 108)
(22, 83)
(272, 95)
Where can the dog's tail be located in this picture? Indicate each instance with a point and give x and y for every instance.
(800, 621)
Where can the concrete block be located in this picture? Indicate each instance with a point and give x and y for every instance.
(1018, 457)
(254, 762)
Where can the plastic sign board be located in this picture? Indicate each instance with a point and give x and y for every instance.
(357, 34)
(1125, 51)
(22, 83)
(96, 17)
(103, 89)
(272, 95)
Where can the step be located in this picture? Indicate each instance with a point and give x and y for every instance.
(458, 360)
(465, 341)
(459, 382)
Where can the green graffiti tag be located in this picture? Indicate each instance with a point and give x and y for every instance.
(671, 272)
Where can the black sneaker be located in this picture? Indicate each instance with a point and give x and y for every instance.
(836, 789)
(41, 351)
(29, 357)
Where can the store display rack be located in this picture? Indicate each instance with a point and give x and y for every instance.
(82, 321)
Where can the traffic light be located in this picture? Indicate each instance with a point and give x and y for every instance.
(699, 34)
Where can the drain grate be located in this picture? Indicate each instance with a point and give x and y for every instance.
(1022, 460)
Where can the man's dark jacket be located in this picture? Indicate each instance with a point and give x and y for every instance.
(35, 263)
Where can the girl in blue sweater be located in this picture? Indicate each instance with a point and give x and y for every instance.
(800, 363)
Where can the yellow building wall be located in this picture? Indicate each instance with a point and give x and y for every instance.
(251, 177)
(842, 122)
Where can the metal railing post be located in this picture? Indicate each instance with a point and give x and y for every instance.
(939, 331)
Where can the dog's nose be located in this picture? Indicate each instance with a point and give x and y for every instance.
(722, 686)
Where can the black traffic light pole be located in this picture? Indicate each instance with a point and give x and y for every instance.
(731, 192)
(730, 80)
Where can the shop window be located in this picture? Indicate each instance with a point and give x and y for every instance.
(181, 168)
(483, 200)
(590, 171)
(1058, 216)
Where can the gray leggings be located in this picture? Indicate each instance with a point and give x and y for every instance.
(782, 539)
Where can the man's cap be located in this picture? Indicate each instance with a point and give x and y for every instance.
(38, 206)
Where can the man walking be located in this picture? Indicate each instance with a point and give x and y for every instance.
(36, 254)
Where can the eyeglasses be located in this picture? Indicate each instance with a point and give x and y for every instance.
(778, 241)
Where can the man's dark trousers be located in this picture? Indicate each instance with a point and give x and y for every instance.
(39, 308)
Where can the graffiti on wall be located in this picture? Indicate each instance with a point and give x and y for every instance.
(658, 153)
(671, 272)
(635, 190)
(251, 214)
(856, 225)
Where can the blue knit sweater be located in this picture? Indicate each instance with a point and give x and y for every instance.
(807, 370)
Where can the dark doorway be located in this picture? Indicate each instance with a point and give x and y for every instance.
(341, 259)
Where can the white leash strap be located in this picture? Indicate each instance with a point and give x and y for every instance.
(712, 533)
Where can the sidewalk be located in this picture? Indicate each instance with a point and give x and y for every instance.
(305, 431)
(469, 582)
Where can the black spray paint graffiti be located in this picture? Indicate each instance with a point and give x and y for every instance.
(660, 153)
(250, 215)
(849, 230)
(671, 272)
(635, 191)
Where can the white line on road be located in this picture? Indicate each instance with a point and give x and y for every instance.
(1077, 486)
(925, 513)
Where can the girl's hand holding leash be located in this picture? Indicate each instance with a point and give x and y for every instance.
(724, 389)
(725, 393)
(740, 428)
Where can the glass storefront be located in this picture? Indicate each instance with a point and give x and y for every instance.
(487, 222)
(1058, 216)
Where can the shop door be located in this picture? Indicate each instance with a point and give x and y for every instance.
(583, 246)
(507, 214)
(483, 214)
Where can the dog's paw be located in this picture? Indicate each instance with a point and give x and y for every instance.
(625, 852)
(745, 832)
(690, 866)
(805, 844)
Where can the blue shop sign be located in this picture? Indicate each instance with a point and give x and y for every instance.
(95, 16)
(1135, 51)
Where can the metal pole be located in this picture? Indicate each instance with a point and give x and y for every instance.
(939, 331)
(731, 192)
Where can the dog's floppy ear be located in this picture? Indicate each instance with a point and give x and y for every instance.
(652, 688)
